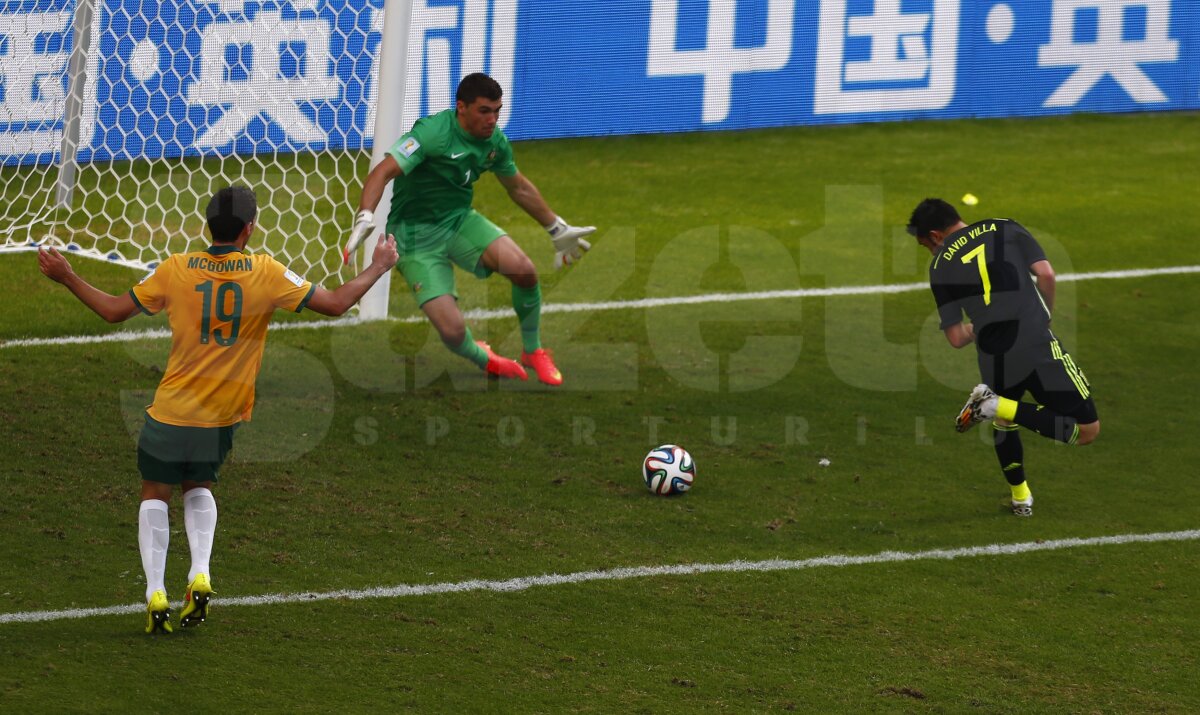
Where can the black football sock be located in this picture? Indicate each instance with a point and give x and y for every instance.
(1009, 450)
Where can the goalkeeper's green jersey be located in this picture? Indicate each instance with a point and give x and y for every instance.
(441, 164)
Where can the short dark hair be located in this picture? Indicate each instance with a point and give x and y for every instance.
(476, 85)
(932, 215)
(229, 211)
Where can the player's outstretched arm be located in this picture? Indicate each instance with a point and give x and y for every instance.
(338, 301)
(372, 193)
(113, 308)
(569, 243)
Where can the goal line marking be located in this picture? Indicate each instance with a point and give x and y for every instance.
(123, 336)
(526, 582)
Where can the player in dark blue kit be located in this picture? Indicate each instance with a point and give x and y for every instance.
(997, 274)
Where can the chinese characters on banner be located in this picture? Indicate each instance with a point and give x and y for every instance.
(186, 77)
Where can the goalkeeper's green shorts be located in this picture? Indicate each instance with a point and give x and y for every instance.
(429, 252)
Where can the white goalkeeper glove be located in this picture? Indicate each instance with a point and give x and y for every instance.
(363, 223)
(569, 245)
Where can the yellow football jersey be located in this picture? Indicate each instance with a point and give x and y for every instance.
(218, 302)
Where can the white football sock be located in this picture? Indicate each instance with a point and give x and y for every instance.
(154, 531)
(200, 520)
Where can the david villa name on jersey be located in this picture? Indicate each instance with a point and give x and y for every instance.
(964, 240)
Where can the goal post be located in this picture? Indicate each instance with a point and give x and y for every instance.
(391, 79)
(81, 42)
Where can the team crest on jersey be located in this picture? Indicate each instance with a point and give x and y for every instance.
(293, 277)
(410, 146)
(491, 156)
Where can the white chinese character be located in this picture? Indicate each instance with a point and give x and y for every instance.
(905, 47)
(719, 60)
(429, 61)
(1110, 54)
(265, 91)
(32, 80)
(890, 31)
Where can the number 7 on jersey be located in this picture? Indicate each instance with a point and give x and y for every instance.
(978, 256)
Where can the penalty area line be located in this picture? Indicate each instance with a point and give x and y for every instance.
(526, 582)
(124, 336)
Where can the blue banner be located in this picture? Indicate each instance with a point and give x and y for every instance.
(682, 65)
(187, 77)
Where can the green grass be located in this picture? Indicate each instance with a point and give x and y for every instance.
(336, 484)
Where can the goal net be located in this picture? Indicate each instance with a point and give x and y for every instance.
(119, 118)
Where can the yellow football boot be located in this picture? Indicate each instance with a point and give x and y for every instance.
(158, 613)
(195, 601)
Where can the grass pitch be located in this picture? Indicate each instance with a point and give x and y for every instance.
(377, 458)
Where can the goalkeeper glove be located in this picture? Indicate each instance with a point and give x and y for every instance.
(363, 223)
(569, 245)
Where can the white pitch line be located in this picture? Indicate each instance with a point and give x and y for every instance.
(129, 336)
(485, 314)
(526, 582)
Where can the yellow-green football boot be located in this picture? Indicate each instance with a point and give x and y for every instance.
(158, 613)
(195, 601)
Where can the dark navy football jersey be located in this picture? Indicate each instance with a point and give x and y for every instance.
(983, 270)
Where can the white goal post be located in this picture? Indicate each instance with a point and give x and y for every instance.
(389, 118)
(118, 119)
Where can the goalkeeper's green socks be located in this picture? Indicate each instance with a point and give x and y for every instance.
(528, 304)
(471, 350)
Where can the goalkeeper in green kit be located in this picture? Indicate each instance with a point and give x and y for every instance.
(434, 167)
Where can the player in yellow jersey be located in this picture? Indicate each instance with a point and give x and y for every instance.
(218, 301)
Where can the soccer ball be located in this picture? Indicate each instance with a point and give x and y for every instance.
(668, 470)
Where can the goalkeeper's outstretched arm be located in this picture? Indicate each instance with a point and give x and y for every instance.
(569, 243)
(372, 193)
(113, 308)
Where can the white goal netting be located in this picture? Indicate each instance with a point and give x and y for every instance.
(119, 118)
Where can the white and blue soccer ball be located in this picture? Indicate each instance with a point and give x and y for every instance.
(668, 470)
